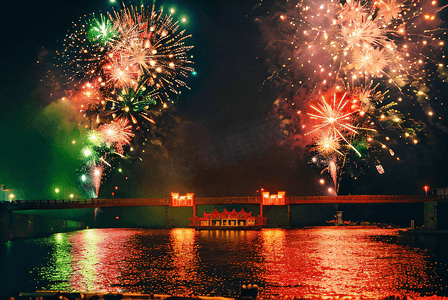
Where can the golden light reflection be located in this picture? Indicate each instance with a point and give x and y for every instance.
(183, 259)
(274, 246)
(182, 241)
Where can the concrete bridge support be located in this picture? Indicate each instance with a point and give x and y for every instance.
(339, 217)
(18, 226)
(430, 215)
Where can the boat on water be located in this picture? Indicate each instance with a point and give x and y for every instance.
(227, 220)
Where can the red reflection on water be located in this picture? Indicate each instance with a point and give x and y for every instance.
(97, 257)
(183, 257)
(338, 261)
(326, 262)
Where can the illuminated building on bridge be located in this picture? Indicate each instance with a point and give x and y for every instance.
(227, 220)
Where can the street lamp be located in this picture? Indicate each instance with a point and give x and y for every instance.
(11, 197)
(426, 189)
(4, 192)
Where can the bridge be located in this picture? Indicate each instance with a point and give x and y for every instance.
(27, 218)
(124, 202)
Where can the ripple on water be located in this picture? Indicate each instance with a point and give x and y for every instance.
(317, 262)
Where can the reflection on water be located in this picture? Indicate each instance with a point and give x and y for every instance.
(88, 260)
(340, 261)
(59, 266)
(183, 257)
(182, 241)
(325, 261)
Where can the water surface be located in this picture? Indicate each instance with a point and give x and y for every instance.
(325, 261)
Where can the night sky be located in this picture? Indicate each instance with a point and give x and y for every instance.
(227, 143)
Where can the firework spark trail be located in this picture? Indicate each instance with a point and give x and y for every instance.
(332, 168)
(96, 174)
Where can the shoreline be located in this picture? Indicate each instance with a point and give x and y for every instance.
(43, 295)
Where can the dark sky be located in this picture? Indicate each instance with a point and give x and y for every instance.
(227, 143)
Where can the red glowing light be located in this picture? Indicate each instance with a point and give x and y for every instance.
(278, 199)
(186, 200)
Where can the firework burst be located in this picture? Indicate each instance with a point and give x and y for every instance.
(117, 133)
(132, 105)
(348, 129)
(100, 30)
(334, 119)
(348, 65)
(122, 69)
(356, 41)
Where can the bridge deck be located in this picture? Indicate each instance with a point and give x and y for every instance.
(92, 203)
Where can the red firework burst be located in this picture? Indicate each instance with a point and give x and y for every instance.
(334, 117)
(118, 132)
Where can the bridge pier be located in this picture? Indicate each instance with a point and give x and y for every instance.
(430, 214)
(339, 217)
(289, 215)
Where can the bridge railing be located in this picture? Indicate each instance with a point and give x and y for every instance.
(74, 203)
(227, 200)
(359, 199)
(80, 203)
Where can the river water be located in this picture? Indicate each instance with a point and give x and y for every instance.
(321, 261)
